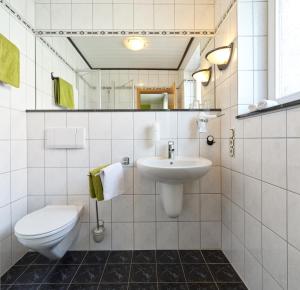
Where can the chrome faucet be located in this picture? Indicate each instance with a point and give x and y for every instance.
(171, 150)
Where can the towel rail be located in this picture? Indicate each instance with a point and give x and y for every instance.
(125, 162)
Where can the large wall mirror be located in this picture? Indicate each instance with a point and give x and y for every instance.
(125, 72)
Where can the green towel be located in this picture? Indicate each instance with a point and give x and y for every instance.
(95, 184)
(9, 62)
(145, 107)
(63, 93)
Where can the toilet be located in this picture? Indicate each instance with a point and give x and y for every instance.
(50, 230)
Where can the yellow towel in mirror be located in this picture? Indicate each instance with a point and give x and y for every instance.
(9, 62)
(63, 93)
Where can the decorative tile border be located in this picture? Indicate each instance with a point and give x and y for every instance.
(69, 33)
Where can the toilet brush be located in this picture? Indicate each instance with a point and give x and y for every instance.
(98, 232)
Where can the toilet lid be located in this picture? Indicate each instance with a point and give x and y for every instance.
(46, 220)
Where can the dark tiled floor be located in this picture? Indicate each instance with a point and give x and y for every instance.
(124, 270)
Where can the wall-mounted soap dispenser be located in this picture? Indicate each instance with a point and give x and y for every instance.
(203, 120)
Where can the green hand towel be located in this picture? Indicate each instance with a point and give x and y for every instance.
(63, 93)
(145, 107)
(95, 184)
(9, 62)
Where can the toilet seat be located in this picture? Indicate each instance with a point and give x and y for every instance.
(50, 222)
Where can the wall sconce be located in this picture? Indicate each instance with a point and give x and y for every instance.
(220, 56)
(203, 76)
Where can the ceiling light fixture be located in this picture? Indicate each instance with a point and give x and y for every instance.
(135, 43)
(220, 56)
(203, 76)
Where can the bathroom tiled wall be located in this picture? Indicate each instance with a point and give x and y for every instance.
(260, 191)
(13, 147)
(125, 15)
(136, 219)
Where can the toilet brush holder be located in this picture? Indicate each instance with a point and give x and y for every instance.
(98, 232)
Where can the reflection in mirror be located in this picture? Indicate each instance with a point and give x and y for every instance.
(148, 73)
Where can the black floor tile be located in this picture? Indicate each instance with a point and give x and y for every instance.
(144, 257)
(113, 286)
(88, 274)
(170, 273)
(116, 273)
(232, 286)
(197, 273)
(172, 286)
(193, 257)
(214, 257)
(61, 274)
(41, 260)
(54, 287)
(96, 257)
(202, 286)
(120, 257)
(124, 270)
(12, 274)
(83, 287)
(143, 273)
(27, 259)
(224, 273)
(167, 257)
(142, 286)
(24, 287)
(72, 257)
(34, 274)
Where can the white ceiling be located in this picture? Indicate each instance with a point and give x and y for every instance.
(110, 52)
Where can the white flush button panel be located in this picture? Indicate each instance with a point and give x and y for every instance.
(65, 138)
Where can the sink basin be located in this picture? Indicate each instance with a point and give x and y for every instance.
(171, 175)
(176, 171)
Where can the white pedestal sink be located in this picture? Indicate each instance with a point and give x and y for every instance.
(171, 175)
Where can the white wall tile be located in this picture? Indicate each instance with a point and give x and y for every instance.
(122, 236)
(274, 209)
(144, 208)
(189, 235)
(59, 187)
(271, 148)
(82, 15)
(274, 125)
(210, 235)
(122, 208)
(167, 235)
(100, 126)
(164, 17)
(275, 256)
(122, 126)
(293, 162)
(293, 219)
(144, 236)
(253, 237)
(253, 197)
(293, 267)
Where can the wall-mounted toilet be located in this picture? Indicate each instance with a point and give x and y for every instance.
(50, 230)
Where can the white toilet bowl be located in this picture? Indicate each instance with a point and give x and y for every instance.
(50, 230)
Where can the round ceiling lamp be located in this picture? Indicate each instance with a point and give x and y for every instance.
(135, 43)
